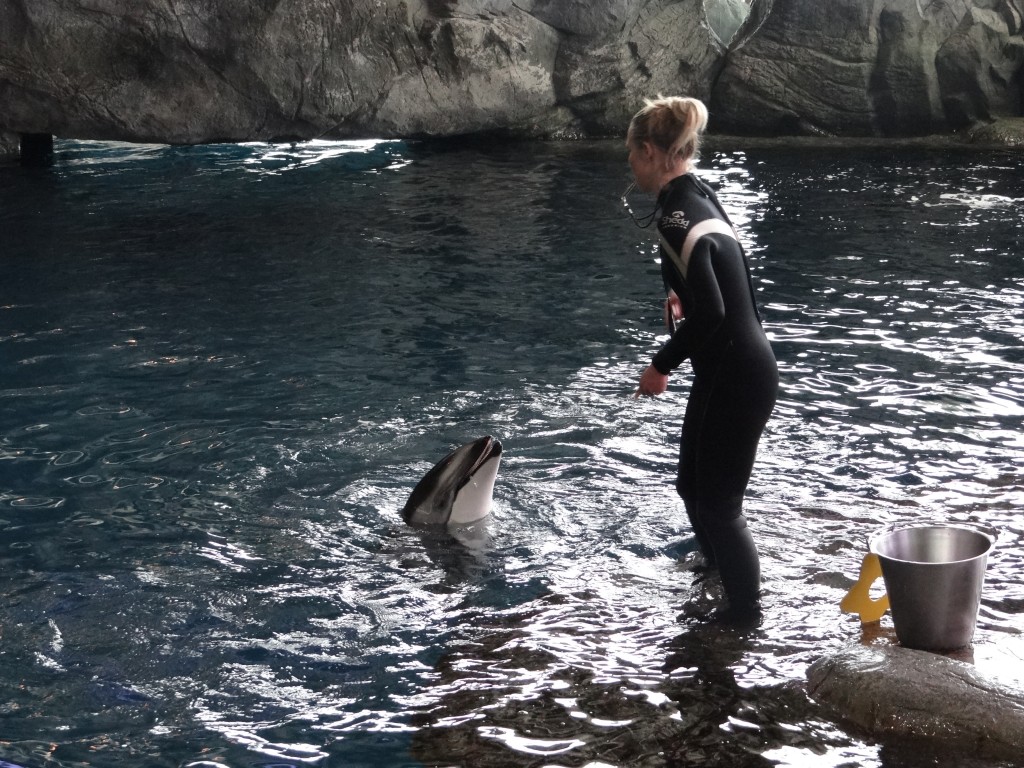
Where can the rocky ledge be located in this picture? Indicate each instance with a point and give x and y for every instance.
(176, 71)
(999, 133)
(957, 706)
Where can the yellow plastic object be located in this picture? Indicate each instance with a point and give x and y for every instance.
(858, 599)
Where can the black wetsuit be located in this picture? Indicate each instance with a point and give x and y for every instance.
(735, 377)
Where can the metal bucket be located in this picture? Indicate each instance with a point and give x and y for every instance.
(933, 575)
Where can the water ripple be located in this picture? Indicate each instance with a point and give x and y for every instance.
(212, 429)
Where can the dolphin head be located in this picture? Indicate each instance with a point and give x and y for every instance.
(458, 489)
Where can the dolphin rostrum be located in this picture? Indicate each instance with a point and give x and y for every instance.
(458, 490)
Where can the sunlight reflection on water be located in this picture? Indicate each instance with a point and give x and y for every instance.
(230, 365)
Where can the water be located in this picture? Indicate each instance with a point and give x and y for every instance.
(224, 369)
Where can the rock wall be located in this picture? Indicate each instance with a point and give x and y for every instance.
(873, 67)
(8, 144)
(191, 71)
(891, 691)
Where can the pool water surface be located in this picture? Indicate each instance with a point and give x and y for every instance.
(226, 367)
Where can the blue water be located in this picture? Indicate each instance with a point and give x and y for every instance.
(225, 368)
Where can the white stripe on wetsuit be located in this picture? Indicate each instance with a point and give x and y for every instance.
(697, 231)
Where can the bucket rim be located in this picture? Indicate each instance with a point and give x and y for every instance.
(988, 534)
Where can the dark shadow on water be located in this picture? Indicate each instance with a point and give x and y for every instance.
(465, 554)
(724, 722)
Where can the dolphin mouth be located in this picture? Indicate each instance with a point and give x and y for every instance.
(489, 448)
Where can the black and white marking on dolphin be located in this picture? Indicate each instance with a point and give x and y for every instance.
(458, 490)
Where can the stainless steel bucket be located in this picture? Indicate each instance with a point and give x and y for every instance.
(933, 576)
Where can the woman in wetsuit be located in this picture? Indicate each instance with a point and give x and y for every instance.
(735, 377)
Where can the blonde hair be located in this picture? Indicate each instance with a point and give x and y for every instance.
(674, 124)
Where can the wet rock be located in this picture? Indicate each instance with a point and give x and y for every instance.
(226, 70)
(1008, 132)
(897, 67)
(889, 690)
(179, 72)
(9, 146)
(979, 66)
(658, 48)
(182, 72)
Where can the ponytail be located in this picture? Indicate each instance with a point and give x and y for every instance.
(674, 124)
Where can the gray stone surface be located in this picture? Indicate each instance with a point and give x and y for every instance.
(1001, 133)
(8, 146)
(979, 67)
(659, 48)
(889, 690)
(183, 71)
(857, 68)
